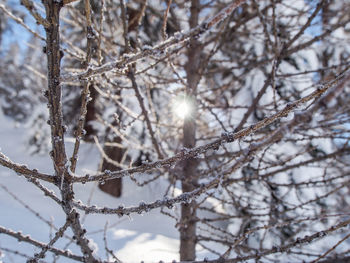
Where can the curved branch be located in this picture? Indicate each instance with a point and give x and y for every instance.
(179, 37)
(24, 170)
(226, 137)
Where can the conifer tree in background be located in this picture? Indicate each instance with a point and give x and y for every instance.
(243, 106)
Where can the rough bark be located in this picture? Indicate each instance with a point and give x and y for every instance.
(91, 112)
(58, 153)
(114, 186)
(59, 157)
(188, 211)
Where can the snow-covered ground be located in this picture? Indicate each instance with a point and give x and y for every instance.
(150, 238)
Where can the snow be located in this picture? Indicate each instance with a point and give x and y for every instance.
(149, 244)
(151, 237)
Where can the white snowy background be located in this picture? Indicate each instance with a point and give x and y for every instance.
(137, 238)
(150, 238)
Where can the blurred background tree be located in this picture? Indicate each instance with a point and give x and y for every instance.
(263, 189)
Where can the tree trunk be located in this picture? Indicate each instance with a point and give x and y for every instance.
(91, 112)
(58, 153)
(188, 211)
(114, 186)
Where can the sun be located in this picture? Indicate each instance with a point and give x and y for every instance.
(182, 107)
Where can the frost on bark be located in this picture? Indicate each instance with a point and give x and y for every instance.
(59, 158)
(189, 174)
(259, 169)
(54, 89)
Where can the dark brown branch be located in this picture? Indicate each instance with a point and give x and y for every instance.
(19, 236)
(226, 137)
(127, 59)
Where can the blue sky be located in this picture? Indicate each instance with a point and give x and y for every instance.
(14, 32)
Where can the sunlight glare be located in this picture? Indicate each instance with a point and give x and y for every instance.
(182, 108)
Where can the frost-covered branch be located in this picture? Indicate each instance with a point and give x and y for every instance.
(240, 135)
(58, 235)
(24, 238)
(31, 8)
(20, 21)
(280, 249)
(22, 169)
(226, 137)
(121, 65)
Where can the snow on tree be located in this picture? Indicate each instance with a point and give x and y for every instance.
(239, 109)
